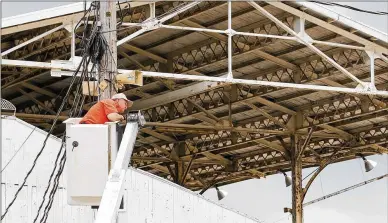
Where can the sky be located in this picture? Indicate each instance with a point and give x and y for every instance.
(266, 198)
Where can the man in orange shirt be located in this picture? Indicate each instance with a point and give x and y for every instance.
(107, 110)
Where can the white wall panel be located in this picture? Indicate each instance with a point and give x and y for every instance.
(152, 199)
(148, 198)
(14, 133)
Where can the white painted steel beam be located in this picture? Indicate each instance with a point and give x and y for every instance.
(266, 36)
(306, 42)
(329, 26)
(153, 23)
(194, 29)
(32, 40)
(372, 67)
(230, 35)
(338, 45)
(327, 11)
(133, 35)
(263, 83)
(348, 46)
(219, 81)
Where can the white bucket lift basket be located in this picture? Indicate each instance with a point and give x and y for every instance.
(90, 151)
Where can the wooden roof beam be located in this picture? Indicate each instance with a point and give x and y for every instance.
(157, 135)
(144, 53)
(38, 89)
(37, 102)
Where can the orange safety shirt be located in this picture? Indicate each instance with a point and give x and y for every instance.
(98, 113)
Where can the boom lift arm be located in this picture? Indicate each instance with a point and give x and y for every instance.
(107, 212)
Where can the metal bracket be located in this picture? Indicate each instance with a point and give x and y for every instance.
(136, 116)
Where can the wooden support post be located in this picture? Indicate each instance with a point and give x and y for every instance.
(179, 172)
(108, 22)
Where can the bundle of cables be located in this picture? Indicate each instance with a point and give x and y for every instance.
(94, 47)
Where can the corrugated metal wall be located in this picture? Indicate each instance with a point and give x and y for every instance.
(148, 198)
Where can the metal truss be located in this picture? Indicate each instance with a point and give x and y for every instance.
(270, 161)
(347, 108)
(298, 34)
(301, 36)
(197, 135)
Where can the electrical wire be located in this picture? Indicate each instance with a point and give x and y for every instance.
(18, 149)
(51, 175)
(43, 146)
(94, 47)
(95, 51)
(54, 189)
(33, 130)
(351, 8)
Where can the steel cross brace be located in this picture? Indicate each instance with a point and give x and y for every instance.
(154, 23)
(114, 187)
(306, 40)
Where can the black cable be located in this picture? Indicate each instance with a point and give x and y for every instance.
(51, 176)
(44, 144)
(54, 189)
(351, 7)
(33, 130)
(121, 15)
(57, 176)
(93, 48)
(55, 100)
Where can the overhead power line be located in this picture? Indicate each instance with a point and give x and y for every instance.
(345, 190)
(351, 8)
(93, 46)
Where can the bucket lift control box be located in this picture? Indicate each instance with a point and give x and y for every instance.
(90, 151)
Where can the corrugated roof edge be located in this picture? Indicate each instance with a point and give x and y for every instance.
(325, 11)
(43, 14)
(191, 192)
(30, 126)
(50, 13)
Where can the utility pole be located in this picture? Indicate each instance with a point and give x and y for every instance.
(108, 65)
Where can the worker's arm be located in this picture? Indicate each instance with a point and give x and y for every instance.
(113, 117)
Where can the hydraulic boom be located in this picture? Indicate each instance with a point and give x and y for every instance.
(107, 212)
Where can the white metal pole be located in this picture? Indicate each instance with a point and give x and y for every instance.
(32, 40)
(230, 74)
(66, 66)
(372, 68)
(338, 45)
(133, 35)
(263, 83)
(179, 10)
(266, 36)
(194, 29)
